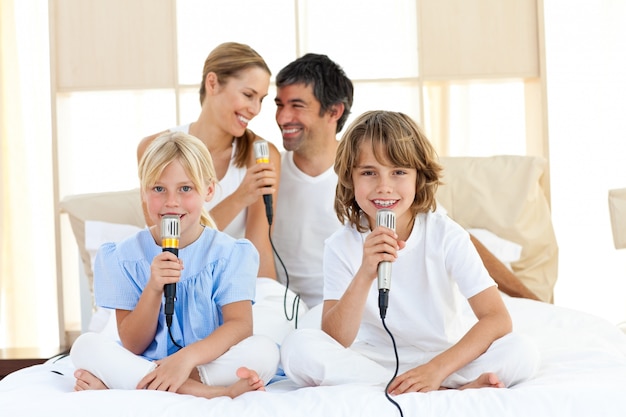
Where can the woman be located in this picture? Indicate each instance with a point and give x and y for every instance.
(235, 80)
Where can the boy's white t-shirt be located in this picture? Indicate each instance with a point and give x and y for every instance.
(431, 280)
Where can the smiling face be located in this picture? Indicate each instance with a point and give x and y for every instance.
(239, 99)
(380, 185)
(299, 120)
(175, 193)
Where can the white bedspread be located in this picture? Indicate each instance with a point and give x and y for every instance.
(583, 374)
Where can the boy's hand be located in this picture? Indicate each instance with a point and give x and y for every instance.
(423, 378)
(380, 245)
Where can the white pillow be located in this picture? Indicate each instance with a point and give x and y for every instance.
(504, 250)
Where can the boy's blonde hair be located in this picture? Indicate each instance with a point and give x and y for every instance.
(396, 140)
(190, 152)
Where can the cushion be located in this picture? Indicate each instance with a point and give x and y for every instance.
(617, 210)
(120, 207)
(503, 194)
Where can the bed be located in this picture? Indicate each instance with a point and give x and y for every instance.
(583, 369)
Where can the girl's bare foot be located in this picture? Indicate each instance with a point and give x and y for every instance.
(248, 381)
(486, 380)
(87, 381)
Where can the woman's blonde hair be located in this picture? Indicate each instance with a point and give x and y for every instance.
(192, 154)
(395, 140)
(228, 60)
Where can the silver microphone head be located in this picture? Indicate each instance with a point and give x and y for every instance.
(261, 151)
(170, 231)
(387, 218)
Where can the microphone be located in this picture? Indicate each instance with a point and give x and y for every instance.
(387, 218)
(170, 236)
(262, 155)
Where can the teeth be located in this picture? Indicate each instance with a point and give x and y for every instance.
(243, 119)
(384, 203)
(289, 131)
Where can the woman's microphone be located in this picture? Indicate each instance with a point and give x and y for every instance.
(170, 237)
(385, 218)
(262, 156)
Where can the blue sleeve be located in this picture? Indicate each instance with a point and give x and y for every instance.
(117, 283)
(236, 273)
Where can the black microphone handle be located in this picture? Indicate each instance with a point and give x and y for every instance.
(269, 212)
(170, 293)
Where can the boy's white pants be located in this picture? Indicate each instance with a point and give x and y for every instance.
(119, 368)
(311, 357)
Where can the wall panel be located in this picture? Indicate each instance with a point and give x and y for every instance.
(114, 44)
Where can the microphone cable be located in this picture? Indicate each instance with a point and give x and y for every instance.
(169, 331)
(262, 155)
(395, 374)
(295, 306)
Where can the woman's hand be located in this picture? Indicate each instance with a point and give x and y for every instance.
(260, 179)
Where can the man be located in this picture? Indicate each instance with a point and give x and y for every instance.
(314, 98)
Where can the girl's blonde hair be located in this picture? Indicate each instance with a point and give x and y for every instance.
(396, 140)
(190, 152)
(227, 61)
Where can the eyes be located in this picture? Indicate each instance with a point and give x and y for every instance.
(294, 104)
(394, 172)
(252, 96)
(183, 189)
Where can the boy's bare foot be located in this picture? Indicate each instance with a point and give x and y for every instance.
(486, 380)
(87, 381)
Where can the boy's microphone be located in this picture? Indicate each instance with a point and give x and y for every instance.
(387, 218)
(170, 236)
(262, 155)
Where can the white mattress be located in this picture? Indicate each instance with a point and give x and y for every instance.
(583, 374)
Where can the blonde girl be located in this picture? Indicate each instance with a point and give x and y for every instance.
(210, 351)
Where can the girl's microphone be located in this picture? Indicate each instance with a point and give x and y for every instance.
(170, 237)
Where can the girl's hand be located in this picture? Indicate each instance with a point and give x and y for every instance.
(165, 269)
(423, 378)
(260, 179)
(171, 372)
(380, 245)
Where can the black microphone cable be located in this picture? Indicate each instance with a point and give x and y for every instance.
(295, 306)
(395, 374)
(387, 218)
(262, 155)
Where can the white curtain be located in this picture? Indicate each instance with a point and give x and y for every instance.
(28, 310)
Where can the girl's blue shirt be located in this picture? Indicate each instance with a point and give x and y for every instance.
(218, 270)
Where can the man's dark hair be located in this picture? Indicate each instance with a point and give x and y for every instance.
(329, 82)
